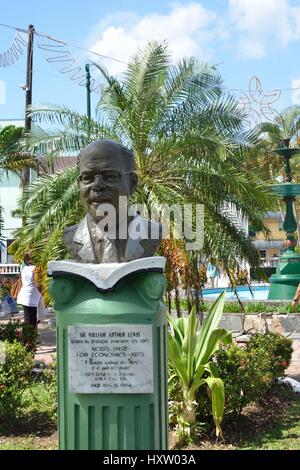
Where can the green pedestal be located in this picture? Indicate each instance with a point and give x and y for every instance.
(111, 421)
(284, 283)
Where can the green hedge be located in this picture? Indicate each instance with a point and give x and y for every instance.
(21, 332)
(15, 370)
(249, 373)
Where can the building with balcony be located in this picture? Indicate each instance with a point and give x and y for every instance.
(270, 248)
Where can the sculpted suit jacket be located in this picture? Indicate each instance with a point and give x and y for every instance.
(79, 243)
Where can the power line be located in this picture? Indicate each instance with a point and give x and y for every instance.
(64, 43)
(14, 27)
(78, 47)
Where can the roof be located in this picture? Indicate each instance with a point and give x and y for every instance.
(58, 164)
(277, 215)
(267, 244)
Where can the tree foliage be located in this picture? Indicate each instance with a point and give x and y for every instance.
(188, 139)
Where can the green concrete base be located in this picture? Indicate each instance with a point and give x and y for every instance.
(112, 421)
(283, 287)
(284, 283)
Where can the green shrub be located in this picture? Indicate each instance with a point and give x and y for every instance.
(246, 307)
(41, 395)
(50, 381)
(278, 347)
(249, 373)
(15, 372)
(246, 375)
(21, 332)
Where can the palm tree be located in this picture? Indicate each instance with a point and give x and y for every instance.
(12, 159)
(285, 127)
(188, 140)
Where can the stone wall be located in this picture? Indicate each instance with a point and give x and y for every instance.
(247, 324)
(243, 325)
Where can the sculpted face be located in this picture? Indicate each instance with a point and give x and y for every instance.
(104, 175)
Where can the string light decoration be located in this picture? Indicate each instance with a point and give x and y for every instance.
(58, 55)
(256, 103)
(12, 55)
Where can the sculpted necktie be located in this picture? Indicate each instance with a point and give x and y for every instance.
(110, 253)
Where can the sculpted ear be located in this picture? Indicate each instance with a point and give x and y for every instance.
(133, 181)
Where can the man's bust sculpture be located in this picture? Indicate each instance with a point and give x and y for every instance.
(108, 234)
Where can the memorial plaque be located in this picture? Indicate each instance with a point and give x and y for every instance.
(110, 358)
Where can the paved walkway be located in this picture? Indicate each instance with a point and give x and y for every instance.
(47, 350)
(293, 370)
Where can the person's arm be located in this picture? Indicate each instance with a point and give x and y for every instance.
(296, 297)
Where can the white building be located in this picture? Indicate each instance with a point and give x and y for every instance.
(10, 191)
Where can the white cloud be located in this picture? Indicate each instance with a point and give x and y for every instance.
(296, 93)
(254, 27)
(263, 24)
(189, 29)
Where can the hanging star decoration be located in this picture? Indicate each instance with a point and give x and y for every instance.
(258, 105)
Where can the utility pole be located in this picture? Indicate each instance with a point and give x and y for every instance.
(28, 98)
(88, 91)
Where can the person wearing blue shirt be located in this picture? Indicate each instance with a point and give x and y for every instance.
(212, 274)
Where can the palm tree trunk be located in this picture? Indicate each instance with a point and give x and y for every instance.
(187, 418)
(177, 300)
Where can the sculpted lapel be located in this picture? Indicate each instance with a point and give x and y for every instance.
(82, 237)
(84, 246)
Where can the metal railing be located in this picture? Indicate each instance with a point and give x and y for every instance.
(9, 269)
(269, 262)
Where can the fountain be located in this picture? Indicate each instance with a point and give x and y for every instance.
(284, 283)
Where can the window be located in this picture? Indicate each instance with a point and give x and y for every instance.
(251, 232)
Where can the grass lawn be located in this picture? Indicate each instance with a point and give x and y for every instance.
(284, 433)
(247, 307)
(273, 424)
(35, 426)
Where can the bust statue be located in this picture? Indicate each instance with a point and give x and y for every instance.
(111, 231)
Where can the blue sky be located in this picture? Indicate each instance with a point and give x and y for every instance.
(245, 37)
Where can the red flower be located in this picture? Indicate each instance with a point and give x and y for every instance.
(2, 386)
(284, 363)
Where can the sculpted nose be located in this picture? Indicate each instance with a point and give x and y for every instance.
(98, 183)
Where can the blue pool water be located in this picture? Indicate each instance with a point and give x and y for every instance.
(244, 293)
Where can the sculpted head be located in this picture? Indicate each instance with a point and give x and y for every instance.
(106, 171)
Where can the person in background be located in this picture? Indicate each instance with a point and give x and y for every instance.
(29, 295)
(212, 274)
(296, 297)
